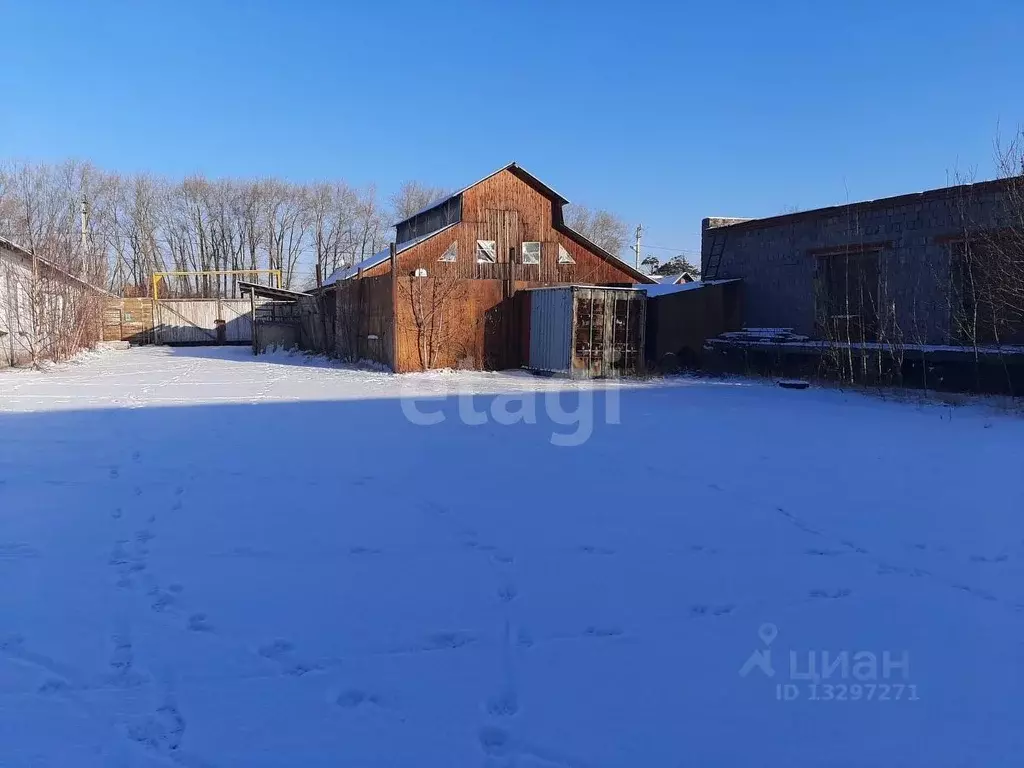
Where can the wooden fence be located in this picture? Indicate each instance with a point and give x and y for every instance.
(178, 321)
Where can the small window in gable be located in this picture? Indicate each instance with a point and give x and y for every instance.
(531, 253)
(563, 256)
(451, 252)
(486, 251)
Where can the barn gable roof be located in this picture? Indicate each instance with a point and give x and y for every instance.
(515, 168)
(521, 173)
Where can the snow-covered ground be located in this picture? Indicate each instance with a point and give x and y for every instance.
(212, 560)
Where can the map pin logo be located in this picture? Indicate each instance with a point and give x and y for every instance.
(767, 633)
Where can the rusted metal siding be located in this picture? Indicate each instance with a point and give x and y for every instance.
(551, 329)
(608, 332)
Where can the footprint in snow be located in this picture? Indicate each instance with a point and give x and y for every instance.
(360, 550)
(494, 741)
(448, 640)
(830, 594)
(354, 697)
(507, 593)
(163, 601)
(276, 649)
(983, 559)
(114, 473)
(162, 731)
(197, 622)
(504, 704)
(596, 631)
(712, 610)
(119, 556)
(54, 686)
(887, 568)
(280, 652)
(976, 591)
(823, 552)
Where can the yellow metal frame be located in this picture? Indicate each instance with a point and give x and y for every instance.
(158, 276)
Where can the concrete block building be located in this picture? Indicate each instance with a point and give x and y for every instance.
(893, 270)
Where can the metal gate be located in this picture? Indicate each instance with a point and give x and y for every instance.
(205, 321)
(202, 321)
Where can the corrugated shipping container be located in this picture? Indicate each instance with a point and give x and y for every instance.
(586, 331)
(551, 329)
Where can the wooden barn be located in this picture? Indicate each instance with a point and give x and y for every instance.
(445, 295)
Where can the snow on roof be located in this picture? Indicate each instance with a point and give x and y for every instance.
(345, 273)
(661, 289)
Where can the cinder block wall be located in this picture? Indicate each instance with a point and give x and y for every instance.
(776, 257)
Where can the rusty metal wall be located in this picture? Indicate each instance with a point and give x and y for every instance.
(608, 332)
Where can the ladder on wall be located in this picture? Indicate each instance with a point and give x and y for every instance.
(714, 257)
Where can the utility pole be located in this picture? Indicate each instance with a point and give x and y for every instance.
(84, 256)
(636, 247)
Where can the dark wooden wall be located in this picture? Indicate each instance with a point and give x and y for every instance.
(364, 320)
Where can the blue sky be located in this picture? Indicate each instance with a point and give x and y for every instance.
(662, 112)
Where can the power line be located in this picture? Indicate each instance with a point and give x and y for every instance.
(670, 248)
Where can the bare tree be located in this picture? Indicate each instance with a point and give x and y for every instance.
(604, 229)
(412, 197)
(429, 301)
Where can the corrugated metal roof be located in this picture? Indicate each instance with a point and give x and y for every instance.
(269, 292)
